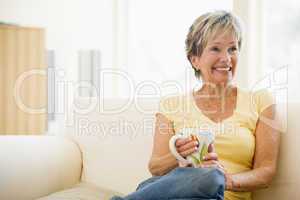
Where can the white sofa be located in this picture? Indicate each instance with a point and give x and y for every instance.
(99, 154)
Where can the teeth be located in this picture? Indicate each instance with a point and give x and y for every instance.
(223, 68)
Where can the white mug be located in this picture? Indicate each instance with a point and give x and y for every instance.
(204, 138)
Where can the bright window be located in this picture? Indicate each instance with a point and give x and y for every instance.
(282, 44)
(156, 37)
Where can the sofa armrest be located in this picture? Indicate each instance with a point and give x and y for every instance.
(35, 166)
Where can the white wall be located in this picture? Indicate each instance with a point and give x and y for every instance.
(71, 25)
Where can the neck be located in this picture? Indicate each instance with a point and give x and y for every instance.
(213, 91)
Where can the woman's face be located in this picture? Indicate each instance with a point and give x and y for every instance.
(218, 61)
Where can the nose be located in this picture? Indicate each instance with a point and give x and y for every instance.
(225, 57)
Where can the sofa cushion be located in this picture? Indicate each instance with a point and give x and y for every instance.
(116, 147)
(82, 191)
(33, 166)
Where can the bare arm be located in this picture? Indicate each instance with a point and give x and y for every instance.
(266, 155)
(162, 161)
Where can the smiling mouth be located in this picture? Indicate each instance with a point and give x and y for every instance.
(222, 69)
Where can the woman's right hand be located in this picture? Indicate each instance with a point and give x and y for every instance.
(186, 146)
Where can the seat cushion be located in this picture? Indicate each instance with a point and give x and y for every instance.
(82, 191)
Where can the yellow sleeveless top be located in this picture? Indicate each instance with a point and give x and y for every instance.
(234, 136)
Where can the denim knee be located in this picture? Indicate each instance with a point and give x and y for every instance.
(208, 183)
(116, 198)
(215, 181)
(147, 182)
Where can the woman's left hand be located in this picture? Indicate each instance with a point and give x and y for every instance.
(211, 160)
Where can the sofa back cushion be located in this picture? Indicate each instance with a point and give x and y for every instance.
(115, 137)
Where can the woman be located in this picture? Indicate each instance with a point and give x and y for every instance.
(244, 154)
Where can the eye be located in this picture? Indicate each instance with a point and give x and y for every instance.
(216, 49)
(232, 49)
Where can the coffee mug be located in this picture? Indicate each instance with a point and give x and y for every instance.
(204, 138)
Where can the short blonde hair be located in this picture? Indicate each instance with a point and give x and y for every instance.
(207, 26)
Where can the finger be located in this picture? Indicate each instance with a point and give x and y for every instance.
(211, 156)
(183, 164)
(218, 166)
(210, 162)
(188, 152)
(189, 145)
(211, 148)
(209, 166)
(182, 141)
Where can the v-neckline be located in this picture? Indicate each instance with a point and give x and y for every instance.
(223, 120)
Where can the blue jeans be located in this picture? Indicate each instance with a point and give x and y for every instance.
(182, 183)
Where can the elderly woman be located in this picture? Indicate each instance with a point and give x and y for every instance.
(244, 153)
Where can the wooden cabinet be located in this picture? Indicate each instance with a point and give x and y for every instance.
(23, 80)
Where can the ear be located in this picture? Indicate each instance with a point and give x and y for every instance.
(195, 60)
